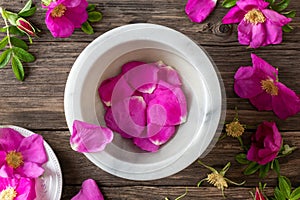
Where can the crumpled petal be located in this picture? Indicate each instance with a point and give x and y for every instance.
(273, 34)
(262, 101)
(245, 32)
(77, 14)
(276, 18)
(247, 5)
(89, 137)
(172, 100)
(30, 170)
(286, 103)
(266, 143)
(59, 27)
(33, 145)
(163, 135)
(198, 10)
(234, 15)
(246, 84)
(89, 191)
(6, 171)
(69, 3)
(145, 144)
(106, 89)
(258, 35)
(10, 139)
(24, 187)
(130, 65)
(111, 123)
(263, 69)
(169, 75)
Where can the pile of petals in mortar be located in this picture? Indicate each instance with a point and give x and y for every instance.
(145, 103)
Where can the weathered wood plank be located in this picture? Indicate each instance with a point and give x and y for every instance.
(75, 165)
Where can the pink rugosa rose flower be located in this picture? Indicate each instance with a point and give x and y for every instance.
(17, 188)
(258, 26)
(21, 156)
(259, 195)
(260, 85)
(266, 143)
(63, 16)
(198, 10)
(89, 191)
(89, 137)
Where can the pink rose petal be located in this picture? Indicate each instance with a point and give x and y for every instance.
(163, 135)
(199, 10)
(89, 137)
(169, 75)
(106, 88)
(89, 191)
(130, 65)
(10, 139)
(145, 144)
(24, 187)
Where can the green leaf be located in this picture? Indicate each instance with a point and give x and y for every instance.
(276, 166)
(12, 30)
(252, 168)
(28, 13)
(27, 6)
(242, 159)
(18, 43)
(91, 7)
(290, 14)
(17, 68)
(282, 5)
(278, 194)
(23, 55)
(264, 169)
(284, 186)
(87, 28)
(228, 3)
(270, 1)
(3, 42)
(295, 194)
(5, 57)
(12, 18)
(287, 28)
(94, 16)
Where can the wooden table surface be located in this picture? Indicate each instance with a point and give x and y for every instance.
(37, 103)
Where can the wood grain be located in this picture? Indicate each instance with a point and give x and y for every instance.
(37, 103)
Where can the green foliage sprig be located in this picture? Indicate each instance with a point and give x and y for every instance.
(93, 16)
(13, 48)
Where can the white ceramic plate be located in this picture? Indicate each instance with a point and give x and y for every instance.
(49, 186)
(149, 43)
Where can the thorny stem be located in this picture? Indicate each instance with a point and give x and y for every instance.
(241, 143)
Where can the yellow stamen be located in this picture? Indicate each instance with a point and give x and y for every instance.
(217, 180)
(234, 129)
(8, 194)
(58, 11)
(269, 86)
(255, 16)
(14, 159)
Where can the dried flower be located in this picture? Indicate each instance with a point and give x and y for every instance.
(17, 189)
(89, 137)
(89, 190)
(218, 179)
(258, 25)
(261, 86)
(21, 156)
(266, 143)
(199, 10)
(63, 16)
(234, 129)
